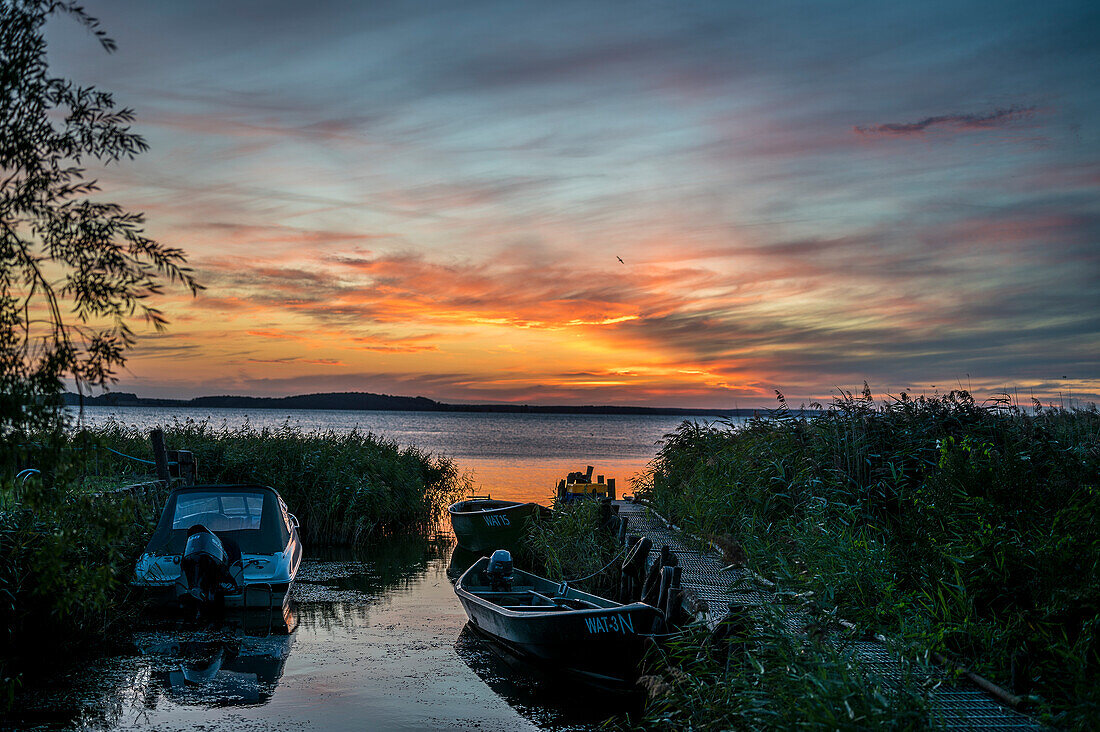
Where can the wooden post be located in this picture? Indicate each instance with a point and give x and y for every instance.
(662, 598)
(672, 599)
(611, 488)
(160, 454)
(187, 471)
(605, 514)
(599, 479)
(588, 474)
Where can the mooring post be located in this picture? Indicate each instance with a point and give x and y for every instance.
(186, 460)
(611, 488)
(588, 474)
(160, 455)
(662, 598)
(674, 597)
(651, 588)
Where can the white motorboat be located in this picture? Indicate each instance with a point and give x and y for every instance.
(234, 546)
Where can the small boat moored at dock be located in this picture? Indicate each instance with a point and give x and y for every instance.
(232, 546)
(483, 523)
(595, 639)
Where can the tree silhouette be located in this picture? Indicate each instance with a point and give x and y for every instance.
(74, 273)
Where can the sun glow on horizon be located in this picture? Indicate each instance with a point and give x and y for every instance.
(650, 208)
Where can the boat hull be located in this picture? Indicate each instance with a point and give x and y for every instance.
(602, 645)
(483, 525)
(252, 596)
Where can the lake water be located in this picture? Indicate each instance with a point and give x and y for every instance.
(510, 456)
(374, 640)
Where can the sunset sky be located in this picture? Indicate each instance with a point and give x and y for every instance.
(431, 198)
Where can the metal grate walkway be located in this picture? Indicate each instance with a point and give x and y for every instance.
(716, 589)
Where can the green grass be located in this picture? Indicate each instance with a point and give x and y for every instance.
(960, 528)
(65, 559)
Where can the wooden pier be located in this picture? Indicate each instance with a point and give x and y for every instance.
(714, 590)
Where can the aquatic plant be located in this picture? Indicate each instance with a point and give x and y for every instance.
(65, 560)
(770, 676)
(344, 487)
(573, 543)
(957, 527)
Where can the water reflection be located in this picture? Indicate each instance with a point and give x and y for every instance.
(242, 666)
(339, 587)
(461, 560)
(535, 692)
(375, 634)
(233, 660)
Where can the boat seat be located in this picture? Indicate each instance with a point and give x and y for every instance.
(571, 603)
(535, 608)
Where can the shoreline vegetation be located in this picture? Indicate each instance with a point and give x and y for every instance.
(344, 487)
(946, 526)
(69, 541)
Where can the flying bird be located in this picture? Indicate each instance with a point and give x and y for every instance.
(620, 259)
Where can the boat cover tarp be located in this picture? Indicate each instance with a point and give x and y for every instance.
(249, 515)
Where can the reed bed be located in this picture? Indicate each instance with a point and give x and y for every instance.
(68, 541)
(955, 527)
(344, 487)
(66, 556)
(571, 544)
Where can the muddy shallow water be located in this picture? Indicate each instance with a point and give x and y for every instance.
(373, 640)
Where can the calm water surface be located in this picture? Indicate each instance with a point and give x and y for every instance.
(373, 640)
(511, 456)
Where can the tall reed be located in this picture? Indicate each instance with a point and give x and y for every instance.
(344, 487)
(68, 544)
(963, 528)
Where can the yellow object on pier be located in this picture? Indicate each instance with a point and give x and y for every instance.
(579, 485)
(586, 488)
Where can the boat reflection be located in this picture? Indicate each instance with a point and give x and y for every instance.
(238, 660)
(461, 560)
(537, 692)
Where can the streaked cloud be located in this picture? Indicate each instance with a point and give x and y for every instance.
(433, 198)
(978, 121)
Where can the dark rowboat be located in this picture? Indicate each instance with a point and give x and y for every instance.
(591, 637)
(482, 523)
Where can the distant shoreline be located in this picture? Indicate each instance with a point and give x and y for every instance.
(363, 401)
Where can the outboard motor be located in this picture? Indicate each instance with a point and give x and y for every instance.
(499, 571)
(206, 566)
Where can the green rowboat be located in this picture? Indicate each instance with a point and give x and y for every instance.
(481, 524)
